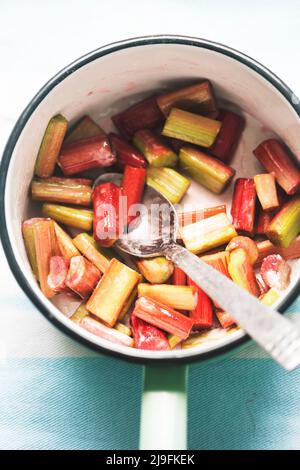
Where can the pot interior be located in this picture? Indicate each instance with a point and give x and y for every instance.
(110, 82)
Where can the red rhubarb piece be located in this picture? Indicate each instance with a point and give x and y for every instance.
(82, 276)
(275, 272)
(86, 154)
(133, 187)
(108, 213)
(202, 316)
(243, 205)
(275, 159)
(148, 336)
(57, 276)
(126, 154)
(229, 135)
(143, 115)
(225, 319)
(178, 277)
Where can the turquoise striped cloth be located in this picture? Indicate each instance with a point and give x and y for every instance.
(57, 394)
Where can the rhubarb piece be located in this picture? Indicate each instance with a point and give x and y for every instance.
(285, 226)
(206, 170)
(198, 130)
(247, 244)
(86, 154)
(65, 245)
(262, 221)
(241, 271)
(266, 191)
(143, 115)
(147, 336)
(190, 217)
(80, 313)
(197, 98)
(126, 153)
(178, 297)
(123, 329)
(65, 190)
(84, 129)
(163, 317)
(229, 135)
(275, 159)
(154, 149)
(263, 288)
(219, 261)
(110, 334)
(78, 218)
(208, 233)
(132, 188)
(270, 298)
(82, 276)
(27, 231)
(179, 277)
(108, 213)
(174, 341)
(275, 272)
(112, 292)
(128, 304)
(57, 276)
(171, 184)
(95, 253)
(202, 313)
(45, 247)
(50, 146)
(155, 270)
(225, 319)
(266, 248)
(243, 205)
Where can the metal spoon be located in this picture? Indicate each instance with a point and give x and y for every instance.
(272, 331)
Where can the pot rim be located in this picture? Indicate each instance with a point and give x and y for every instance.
(28, 111)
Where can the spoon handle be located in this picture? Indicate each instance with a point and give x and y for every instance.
(272, 331)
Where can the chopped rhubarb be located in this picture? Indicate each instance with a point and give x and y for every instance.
(206, 170)
(108, 213)
(225, 319)
(45, 247)
(171, 184)
(82, 276)
(191, 217)
(262, 221)
(80, 313)
(63, 190)
(174, 341)
(243, 205)
(65, 245)
(132, 188)
(163, 317)
(77, 218)
(86, 154)
(229, 135)
(247, 244)
(112, 292)
(219, 261)
(128, 305)
(155, 270)
(270, 298)
(208, 233)
(27, 232)
(84, 129)
(198, 98)
(110, 334)
(275, 159)
(123, 329)
(57, 276)
(285, 226)
(148, 336)
(275, 272)
(143, 115)
(50, 146)
(179, 277)
(265, 186)
(202, 314)
(193, 128)
(266, 248)
(126, 154)
(178, 297)
(95, 253)
(241, 271)
(154, 149)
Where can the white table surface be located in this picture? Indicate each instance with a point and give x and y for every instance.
(38, 38)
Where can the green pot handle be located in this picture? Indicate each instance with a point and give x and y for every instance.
(164, 408)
